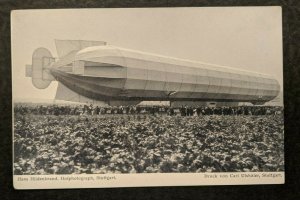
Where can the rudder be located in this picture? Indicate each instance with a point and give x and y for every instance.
(40, 68)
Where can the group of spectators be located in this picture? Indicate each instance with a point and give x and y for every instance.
(76, 144)
(154, 110)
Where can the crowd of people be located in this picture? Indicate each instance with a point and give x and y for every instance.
(154, 110)
(47, 142)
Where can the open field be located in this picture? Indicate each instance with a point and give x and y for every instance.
(67, 144)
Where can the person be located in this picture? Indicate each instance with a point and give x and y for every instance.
(172, 111)
(198, 111)
(91, 110)
(190, 111)
(127, 109)
(138, 109)
(182, 111)
(152, 110)
(97, 110)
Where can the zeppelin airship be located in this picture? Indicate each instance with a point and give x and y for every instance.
(101, 72)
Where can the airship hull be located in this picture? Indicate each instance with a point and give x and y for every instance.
(103, 92)
(112, 73)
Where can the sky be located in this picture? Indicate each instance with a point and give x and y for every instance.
(247, 38)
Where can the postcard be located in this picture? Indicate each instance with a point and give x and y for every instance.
(142, 97)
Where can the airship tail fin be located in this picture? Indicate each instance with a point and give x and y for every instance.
(65, 94)
(64, 47)
(40, 68)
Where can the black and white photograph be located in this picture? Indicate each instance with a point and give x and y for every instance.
(127, 97)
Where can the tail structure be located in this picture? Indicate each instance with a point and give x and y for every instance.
(40, 68)
(43, 61)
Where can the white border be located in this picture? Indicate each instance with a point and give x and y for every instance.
(145, 180)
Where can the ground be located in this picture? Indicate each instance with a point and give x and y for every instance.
(69, 144)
